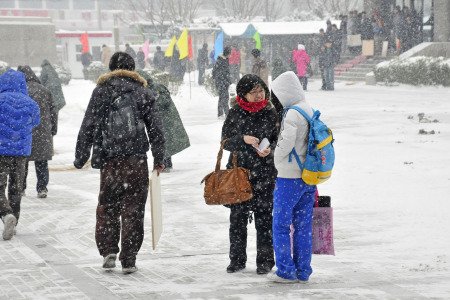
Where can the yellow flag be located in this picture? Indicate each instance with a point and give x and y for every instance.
(182, 44)
(169, 50)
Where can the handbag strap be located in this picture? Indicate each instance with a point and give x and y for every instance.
(219, 156)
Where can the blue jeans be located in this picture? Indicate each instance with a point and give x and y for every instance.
(293, 204)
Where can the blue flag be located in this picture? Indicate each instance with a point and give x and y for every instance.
(218, 45)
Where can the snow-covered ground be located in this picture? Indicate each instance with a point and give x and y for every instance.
(390, 191)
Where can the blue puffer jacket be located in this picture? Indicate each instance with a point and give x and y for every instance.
(18, 115)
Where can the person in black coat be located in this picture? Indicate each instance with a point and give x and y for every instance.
(251, 120)
(222, 80)
(159, 61)
(202, 63)
(140, 59)
(123, 166)
(42, 137)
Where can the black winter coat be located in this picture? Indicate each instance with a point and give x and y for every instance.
(262, 124)
(42, 136)
(90, 135)
(221, 73)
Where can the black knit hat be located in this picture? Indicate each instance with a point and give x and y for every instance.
(248, 83)
(122, 61)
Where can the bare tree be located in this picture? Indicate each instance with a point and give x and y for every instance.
(184, 10)
(273, 9)
(160, 12)
(321, 8)
(238, 9)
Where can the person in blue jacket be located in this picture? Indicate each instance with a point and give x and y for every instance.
(18, 115)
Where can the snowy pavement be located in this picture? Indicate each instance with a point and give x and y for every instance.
(390, 192)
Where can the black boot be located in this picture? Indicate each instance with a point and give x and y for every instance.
(264, 268)
(235, 267)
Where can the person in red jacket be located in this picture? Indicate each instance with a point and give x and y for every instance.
(301, 60)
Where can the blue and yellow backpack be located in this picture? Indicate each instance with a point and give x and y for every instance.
(320, 152)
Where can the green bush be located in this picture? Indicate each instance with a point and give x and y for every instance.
(95, 70)
(64, 74)
(210, 86)
(418, 70)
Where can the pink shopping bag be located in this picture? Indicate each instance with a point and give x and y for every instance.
(322, 241)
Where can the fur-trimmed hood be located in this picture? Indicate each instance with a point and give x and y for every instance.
(122, 73)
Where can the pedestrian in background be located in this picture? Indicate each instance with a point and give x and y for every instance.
(42, 145)
(19, 114)
(222, 80)
(120, 154)
(159, 61)
(202, 63)
(260, 68)
(106, 55)
(301, 60)
(50, 79)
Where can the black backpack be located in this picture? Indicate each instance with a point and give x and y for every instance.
(122, 126)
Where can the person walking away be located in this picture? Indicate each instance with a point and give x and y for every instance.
(301, 60)
(260, 68)
(235, 64)
(159, 60)
(328, 65)
(130, 51)
(42, 135)
(202, 63)
(246, 125)
(175, 135)
(106, 55)
(120, 154)
(50, 79)
(19, 114)
(86, 60)
(278, 67)
(293, 198)
(140, 59)
(222, 80)
(343, 30)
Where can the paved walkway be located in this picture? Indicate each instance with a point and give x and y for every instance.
(54, 256)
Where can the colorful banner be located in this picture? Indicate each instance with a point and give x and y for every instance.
(84, 39)
(146, 48)
(218, 45)
(169, 50)
(191, 52)
(257, 39)
(182, 44)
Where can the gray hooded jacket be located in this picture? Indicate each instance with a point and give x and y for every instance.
(294, 128)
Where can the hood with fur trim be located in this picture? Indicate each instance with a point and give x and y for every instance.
(122, 73)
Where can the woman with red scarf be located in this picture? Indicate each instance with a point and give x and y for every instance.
(252, 119)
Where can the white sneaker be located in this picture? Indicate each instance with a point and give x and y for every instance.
(272, 276)
(9, 223)
(109, 261)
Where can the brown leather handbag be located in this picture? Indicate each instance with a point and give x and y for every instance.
(230, 186)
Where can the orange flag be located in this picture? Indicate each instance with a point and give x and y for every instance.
(84, 39)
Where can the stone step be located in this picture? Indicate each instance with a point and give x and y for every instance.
(349, 78)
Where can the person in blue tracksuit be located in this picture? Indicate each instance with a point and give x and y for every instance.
(293, 198)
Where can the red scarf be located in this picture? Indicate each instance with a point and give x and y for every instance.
(251, 106)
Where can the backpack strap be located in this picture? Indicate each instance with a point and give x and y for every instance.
(308, 118)
(301, 111)
(297, 158)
